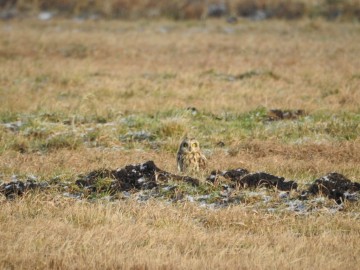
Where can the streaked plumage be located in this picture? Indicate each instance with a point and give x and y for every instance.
(189, 156)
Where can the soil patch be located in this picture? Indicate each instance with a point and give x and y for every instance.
(147, 176)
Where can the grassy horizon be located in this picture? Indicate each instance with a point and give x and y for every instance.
(193, 9)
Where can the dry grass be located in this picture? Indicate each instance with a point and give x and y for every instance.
(114, 67)
(52, 232)
(193, 9)
(80, 88)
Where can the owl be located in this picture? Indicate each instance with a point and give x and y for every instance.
(189, 157)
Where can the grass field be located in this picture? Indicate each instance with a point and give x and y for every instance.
(75, 95)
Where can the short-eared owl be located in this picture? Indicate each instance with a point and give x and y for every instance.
(189, 156)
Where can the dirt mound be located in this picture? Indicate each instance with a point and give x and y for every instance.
(138, 176)
(335, 186)
(244, 179)
(18, 188)
(148, 177)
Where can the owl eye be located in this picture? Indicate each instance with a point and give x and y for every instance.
(185, 144)
(194, 145)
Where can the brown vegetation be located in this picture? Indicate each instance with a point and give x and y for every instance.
(57, 233)
(192, 9)
(77, 96)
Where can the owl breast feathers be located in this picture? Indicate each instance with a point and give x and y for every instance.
(189, 156)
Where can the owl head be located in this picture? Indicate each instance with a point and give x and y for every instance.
(189, 145)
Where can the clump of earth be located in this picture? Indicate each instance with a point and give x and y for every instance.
(220, 189)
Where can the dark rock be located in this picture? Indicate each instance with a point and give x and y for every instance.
(334, 186)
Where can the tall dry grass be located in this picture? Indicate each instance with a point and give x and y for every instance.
(74, 76)
(55, 233)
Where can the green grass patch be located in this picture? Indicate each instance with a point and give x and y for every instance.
(50, 131)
